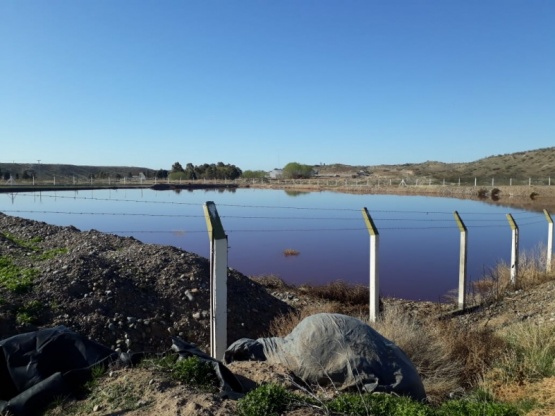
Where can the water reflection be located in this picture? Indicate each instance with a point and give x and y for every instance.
(295, 193)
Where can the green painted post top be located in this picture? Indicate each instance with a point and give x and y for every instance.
(512, 222)
(213, 222)
(460, 223)
(372, 229)
(548, 216)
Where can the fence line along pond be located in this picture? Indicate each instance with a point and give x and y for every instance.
(419, 238)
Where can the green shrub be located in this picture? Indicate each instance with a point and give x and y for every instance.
(465, 407)
(378, 405)
(266, 400)
(390, 405)
(192, 371)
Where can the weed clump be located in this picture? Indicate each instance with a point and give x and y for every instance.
(340, 291)
(478, 404)
(29, 313)
(191, 371)
(290, 252)
(378, 405)
(14, 278)
(529, 356)
(268, 400)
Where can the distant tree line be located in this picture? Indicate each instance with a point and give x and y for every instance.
(6, 175)
(219, 170)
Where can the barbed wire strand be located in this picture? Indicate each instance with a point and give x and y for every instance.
(261, 206)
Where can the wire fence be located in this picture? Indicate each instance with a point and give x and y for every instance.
(387, 219)
(254, 229)
(323, 181)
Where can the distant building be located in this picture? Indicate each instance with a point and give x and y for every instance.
(275, 174)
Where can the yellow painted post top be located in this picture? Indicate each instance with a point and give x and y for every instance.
(372, 229)
(460, 223)
(512, 222)
(213, 222)
(548, 216)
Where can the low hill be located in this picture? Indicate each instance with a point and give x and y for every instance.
(538, 163)
(533, 164)
(44, 171)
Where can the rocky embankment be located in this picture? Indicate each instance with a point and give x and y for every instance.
(117, 291)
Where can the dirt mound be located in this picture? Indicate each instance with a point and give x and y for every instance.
(115, 290)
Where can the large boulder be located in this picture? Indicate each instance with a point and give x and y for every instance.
(332, 348)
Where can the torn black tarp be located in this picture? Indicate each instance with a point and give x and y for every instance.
(228, 382)
(36, 367)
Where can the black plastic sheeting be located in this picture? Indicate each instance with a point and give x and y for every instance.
(37, 367)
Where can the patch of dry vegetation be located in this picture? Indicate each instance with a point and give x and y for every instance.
(288, 252)
(449, 356)
(339, 291)
(532, 271)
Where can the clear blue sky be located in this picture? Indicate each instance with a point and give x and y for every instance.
(262, 83)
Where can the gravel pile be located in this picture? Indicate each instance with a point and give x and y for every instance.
(117, 290)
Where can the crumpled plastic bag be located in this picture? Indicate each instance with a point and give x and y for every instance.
(336, 349)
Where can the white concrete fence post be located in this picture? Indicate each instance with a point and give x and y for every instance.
(549, 241)
(374, 287)
(462, 261)
(514, 249)
(218, 281)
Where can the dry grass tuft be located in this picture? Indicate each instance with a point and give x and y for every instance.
(425, 347)
(476, 348)
(450, 357)
(290, 252)
(497, 281)
(339, 291)
(529, 356)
